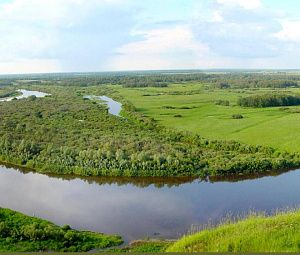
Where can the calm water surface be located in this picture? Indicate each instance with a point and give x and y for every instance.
(25, 94)
(143, 208)
(113, 106)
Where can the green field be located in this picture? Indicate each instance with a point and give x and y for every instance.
(280, 233)
(271, 126)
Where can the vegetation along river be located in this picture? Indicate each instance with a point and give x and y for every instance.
(142, 207)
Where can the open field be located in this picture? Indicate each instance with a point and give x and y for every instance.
(277, 127)
(280, 233)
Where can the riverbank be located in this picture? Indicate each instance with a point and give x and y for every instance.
(21, 233)
(257, 233)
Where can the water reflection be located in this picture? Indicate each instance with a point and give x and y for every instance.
(114, 107)
(139, 209)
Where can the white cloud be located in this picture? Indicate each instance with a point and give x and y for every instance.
(163, 48)
(161, 40)
(52, 12)
(246, 4)
(290, 31)
(61, 31)
(239, 29)
(91, 35)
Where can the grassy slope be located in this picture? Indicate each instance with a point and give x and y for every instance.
(19, 232)
(280, 233)
(269, 126)
(143, 246)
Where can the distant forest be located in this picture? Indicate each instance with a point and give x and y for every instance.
(162, 79)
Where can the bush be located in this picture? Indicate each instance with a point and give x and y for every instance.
(269, 100)
(222, 102)
(237, 116)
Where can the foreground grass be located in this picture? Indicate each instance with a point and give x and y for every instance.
(192, 107)
(280, 233)
(22, 233)
(143, 246)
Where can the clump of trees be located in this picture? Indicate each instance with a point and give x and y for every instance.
(269, 100)
(223, 85)
(237, 116)
(23, 233)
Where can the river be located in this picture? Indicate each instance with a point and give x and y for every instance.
(142, 207)
(25, 94)
(114, 107)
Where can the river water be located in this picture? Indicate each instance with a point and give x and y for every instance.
(139, 208)
(114, 107)
(25, 94)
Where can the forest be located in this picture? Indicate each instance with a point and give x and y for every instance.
(223, 79)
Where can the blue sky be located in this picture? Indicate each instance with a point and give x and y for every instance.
(103, 35)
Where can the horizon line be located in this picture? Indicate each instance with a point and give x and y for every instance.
(155, 70)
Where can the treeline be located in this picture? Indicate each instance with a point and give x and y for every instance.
(65, 134)
(222, 80)
(255, 83)
(132, 80)
(6, 82)
(21, 233)
(269, 100)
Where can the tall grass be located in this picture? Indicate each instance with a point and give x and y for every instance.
(256, 233)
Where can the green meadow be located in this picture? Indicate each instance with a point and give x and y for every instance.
(192, 107)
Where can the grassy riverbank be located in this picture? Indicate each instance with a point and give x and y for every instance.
(256, 233)
(279, 233)
(143, 246)
(19, 232)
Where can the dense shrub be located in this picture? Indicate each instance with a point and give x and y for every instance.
(223, 85)
(269, 100)
(23, 233)
(222, 102)
(237, 116)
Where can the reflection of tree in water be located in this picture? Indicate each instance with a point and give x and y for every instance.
(236, 178)
(158, 182)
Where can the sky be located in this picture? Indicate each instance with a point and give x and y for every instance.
(113, 35)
